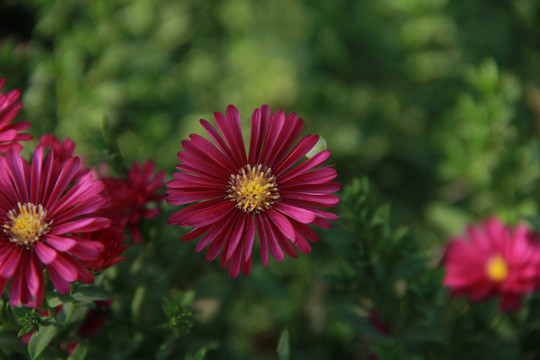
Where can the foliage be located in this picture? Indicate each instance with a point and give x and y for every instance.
(436, 102)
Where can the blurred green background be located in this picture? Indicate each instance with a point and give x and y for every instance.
(436, 101)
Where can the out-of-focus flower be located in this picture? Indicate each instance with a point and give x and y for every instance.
(266, 192)
(112, 241)
(128, 197)
(9, 133)
(43, 208)
(493, 260)
(64, 150)
(95, 319)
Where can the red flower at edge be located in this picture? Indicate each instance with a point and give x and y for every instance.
(493, 260)
(43, 206)
(9, 134)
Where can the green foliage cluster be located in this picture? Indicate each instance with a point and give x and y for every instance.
(436, 101)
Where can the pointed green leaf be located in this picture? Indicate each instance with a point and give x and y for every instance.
(89, 293)
(40, 340)
(283, 346)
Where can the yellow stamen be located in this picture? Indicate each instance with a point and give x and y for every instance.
(254, 188)
(496, 268)
(26, 224)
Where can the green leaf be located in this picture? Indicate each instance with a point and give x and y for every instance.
(59, 300)
(79, 353)
(283, 346)
(90, 293)
(40, 340)
(198, 355)
(20, 312)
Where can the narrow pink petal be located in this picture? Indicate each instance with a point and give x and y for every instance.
(60, 243)
(263, 243)
(87, 250)
(290, 132)
(36, 178)
(8, 135)
(58, 281)
(255, 140)
(235, 262)
(15, 290)
(216, 137)
(325, 224)
(11, 262)
(246, 266)
(216, 229)
(297, 213)
(301, 243)
(211, 214)
(34, 270)
(82, 225)
(186, 197)
(221, 241)
(282, 223)
(319, 200)
(181, 217)
(275, 250)
(66, 175)
(205, 147)
(297, 153)
(307, 232)
(195, 233)
(46, 254)
(317, 176)
(277, 120)
(232, 133)
(200, 161)
(237, 235)
(249, 237)
(307, 165)
(284, 242)
(64, 268)
(309, 188)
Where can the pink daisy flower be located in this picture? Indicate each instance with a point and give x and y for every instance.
(493, 260)
(237, 196)
(128, 197)
(9, 134)
(43, 206)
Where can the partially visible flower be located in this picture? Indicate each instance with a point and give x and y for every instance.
(128, 197)
(64, 150)
(233, 195)
(9, 134)
(493, 260)
(95, 319)
(112, 241)
(43, 209)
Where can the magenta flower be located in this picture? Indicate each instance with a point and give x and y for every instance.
(129, 197)
(493, 260)
(112, 240)
(43, 208)
(237, 196)
(9, 134)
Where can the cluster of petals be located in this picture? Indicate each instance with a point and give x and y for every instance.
(268, 192)
(44, 207)
(9, 133)
(129, 197)
(493, 260)
(112, 240)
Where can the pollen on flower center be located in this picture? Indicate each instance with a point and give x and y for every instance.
(26, 224)
(496, 268)
(254, 188)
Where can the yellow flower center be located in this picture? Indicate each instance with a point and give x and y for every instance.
(254, 188)
(496, 268)
(26, 224)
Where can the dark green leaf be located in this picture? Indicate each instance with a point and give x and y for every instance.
(40, 340)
